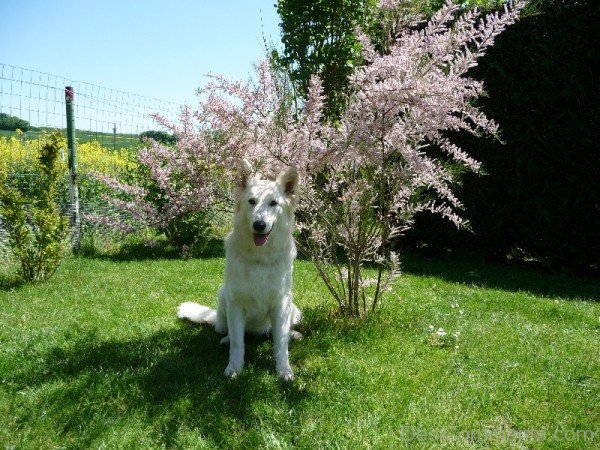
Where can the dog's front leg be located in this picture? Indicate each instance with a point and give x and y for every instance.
(281, 319)
(235, 326)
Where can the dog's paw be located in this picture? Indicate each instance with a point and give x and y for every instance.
(224, 341)
(286, 375)
(232, 372)
(296, 335)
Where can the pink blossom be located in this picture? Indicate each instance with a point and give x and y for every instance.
(363, 176)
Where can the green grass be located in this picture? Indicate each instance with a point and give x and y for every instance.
(95, 358)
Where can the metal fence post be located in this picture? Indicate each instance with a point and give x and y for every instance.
(72, 144)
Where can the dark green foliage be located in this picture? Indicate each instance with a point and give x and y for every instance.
(12, 123)
(318, 38)
(36, 229)
(190, 233)
(541, 195)
(428, 7)
(159, 136)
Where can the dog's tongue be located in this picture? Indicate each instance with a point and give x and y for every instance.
(260, 239)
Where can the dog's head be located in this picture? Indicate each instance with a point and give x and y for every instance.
(263, 206)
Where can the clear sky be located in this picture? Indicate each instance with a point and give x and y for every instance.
(159, 49)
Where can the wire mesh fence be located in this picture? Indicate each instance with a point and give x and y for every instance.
(108, 125)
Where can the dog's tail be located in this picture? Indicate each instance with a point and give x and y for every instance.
(197, 313)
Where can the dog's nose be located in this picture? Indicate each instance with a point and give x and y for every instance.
(259, 225)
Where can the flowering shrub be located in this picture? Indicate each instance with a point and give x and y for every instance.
(364, 176)
(171, 190)
(381, 160)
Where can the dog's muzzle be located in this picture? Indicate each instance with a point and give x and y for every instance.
(260, 237)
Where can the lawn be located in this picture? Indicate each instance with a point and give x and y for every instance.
(95, 358)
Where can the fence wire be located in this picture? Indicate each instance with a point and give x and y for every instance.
(108, 124)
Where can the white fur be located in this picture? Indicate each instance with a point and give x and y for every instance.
(256, 294)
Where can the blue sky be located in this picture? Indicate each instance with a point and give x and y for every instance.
(153, 48)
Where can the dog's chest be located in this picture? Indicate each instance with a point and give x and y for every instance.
(259, 283)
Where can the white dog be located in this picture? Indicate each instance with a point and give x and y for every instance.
(259, 253)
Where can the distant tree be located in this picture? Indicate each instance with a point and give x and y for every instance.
(318, 37)
(11, 123)
(159, 136)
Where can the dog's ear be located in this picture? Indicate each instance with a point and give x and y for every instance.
(288, 180)
(244, 172)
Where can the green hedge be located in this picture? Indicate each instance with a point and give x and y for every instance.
(541, 197)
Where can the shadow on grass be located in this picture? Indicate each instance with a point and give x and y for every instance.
(139, 251)
(10, 281)
(509, 277)
(174, 378)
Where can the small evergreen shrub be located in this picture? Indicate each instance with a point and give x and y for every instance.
(36, 229)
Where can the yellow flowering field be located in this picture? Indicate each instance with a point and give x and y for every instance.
(18, 155)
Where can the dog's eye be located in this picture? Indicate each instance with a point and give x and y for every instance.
(273, 203)
(252, 201)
